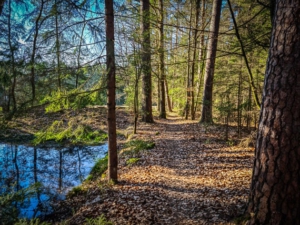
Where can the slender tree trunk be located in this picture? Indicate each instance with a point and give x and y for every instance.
(78, 56)
(158, 94)
(189, 78)
(193, 111)
(57, 46)
(168, 96)
(13, 69)
(136, 91)
(275, 195)
(201, 53)
(239, 111)
(249, 108)
(111, 92)
(206, 115)
(251, 80)
(162, 113)
(146, 63)
(32, 61)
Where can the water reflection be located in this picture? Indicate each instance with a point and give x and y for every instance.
(57, 170)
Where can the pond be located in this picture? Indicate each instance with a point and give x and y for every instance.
(56, 170)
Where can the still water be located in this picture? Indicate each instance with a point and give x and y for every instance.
(56, 170)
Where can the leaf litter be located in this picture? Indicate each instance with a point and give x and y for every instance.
(191, 176)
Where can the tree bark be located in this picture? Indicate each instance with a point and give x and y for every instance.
(201, 63)
(111, 92)
(193, 109)
(206, 115)
(275, 195)
(168, 96)
(162, 112)
(189, 81)
(146, 63)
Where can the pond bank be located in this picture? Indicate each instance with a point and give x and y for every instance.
(52, 171)
(191, 176)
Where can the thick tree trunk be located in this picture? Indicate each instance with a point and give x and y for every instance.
(275, 188)
(146, 63)
(206, 115)
(111, 92)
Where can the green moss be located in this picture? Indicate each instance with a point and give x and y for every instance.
(79, 190)
(72, 132)
(135, 146)
(132, 161)
(99, 168)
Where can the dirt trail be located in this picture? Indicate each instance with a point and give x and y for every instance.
(192, 176)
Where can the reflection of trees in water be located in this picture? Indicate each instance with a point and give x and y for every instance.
(56, 170)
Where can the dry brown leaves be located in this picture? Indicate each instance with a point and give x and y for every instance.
(192, 176)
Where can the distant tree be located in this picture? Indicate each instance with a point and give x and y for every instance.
(111, 92)
(146, 63)
(274, 194)
(206, 116)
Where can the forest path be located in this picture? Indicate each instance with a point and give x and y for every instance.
(192, 176)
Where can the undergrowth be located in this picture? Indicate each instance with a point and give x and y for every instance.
(132, 161)
(11, 200)
(31, 222)
(99, 168)
(133, 147)
(101, 220)
(78, 190)
(72, 132)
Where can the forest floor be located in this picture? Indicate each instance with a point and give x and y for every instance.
(191, 176)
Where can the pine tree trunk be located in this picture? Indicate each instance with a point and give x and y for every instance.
(146, 63)
(206, 115)
(193, 110)
(168, 96)
(111, 92)
(162, 113)
(189, 76)
(275, 188)
(201, 63)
